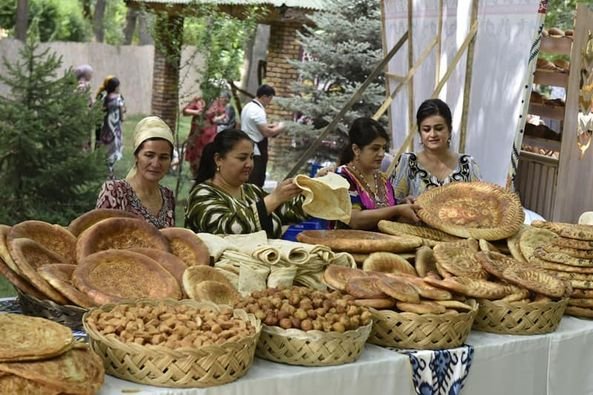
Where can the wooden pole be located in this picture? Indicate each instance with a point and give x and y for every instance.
(355, 97)
(411, 100)
(467, 84)
(439, 37)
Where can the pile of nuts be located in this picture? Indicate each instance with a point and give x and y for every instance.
(172, 326)
(306, 309)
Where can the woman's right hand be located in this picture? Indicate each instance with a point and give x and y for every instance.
(325, 170)
(283, 192)
(407, 214)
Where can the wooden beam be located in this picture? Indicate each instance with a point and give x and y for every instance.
(355, 97)
(467, 84)
(439, 38)
(410, 85)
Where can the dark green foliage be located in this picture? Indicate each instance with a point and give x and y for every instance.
(46, 172)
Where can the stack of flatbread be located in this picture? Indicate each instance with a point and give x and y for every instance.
(38, 356)
(103, 256)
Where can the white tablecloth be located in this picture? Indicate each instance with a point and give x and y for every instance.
(555, 364)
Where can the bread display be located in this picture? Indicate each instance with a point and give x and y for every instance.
(184, 244)
(359, 241)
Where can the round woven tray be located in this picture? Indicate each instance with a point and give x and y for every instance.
(68, 315)
(519, 319)
(187, 367)
(311, 348)
(421, 331)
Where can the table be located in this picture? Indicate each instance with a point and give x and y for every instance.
(558, 363)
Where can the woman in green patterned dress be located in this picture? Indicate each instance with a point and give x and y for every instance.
(222, 202)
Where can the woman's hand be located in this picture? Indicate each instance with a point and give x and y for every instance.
(409, 200)
(285, 191)
(325, 170)
(407, 213)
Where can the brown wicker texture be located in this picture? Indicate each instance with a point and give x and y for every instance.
(188, 367)
(311, 348)
(68, 315)
(519, 318)
(421, 331)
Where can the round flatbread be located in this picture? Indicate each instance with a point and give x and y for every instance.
(365, 288)
(88, 219)
(379, 304)
(487, 246)
(18, 281)
(194, 275)
(571, 231)
(472, 209)
(579, 312)
(540, 263)
(119, 233)
(29, 256)
(425, 261)
(170, 262)
(513, 245)
(59, 276)
(359, 241)
(582, 293)
(455, 304)
(337, 276)
(326, 197)
(216, 292)
(535, 280)
(531, 238)
(24, 338)
(424, 232)
(573, 252)
(495, 263)
(474, 288)
(53, 237)
(564, 259)
(423, 307)
(13, 384)
(572, 243)
(186, 245)
(4, 253)
(77, 371)
(425, 290)
(458, 258)
(387, 262)
(113, 276)
(398, 289)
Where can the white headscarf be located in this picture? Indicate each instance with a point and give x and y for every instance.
(148, 128)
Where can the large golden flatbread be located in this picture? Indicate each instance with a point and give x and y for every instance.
(112, 276)
(337, 276)
(562, 258)
(326, 197)
(571, 231)
(77, 371)
(531, 238)
(513, 244)
(424, 232)
(425, 261)
(4, 253)
(458, 258)
(119, 233)
(186, 245)
(472, 209)
(18, 281)
(535, 280)
(216, 292)
(30, 255)
(540, 263)
(88, 219)
(481, 289)
(574, 252)
(53, 237)
(24, 338)
(425, 290)
(387, 262)
(359, 241)
(496, 263)
(399, 289)
(365, 288)
(170, 262)
(59, 276)
(572, 243)
(194, 275)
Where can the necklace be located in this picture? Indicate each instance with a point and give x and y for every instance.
(378, 194)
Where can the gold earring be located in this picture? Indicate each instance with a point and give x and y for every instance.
(218, 169)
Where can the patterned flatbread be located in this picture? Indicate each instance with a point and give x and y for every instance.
(579, 312)
(4, 253)
(365, 288)
(535, 261)
(379, 304)
(113, 276)
(398, 289)
(187, 245)
(474, 288)
(425, 290)
(531, 238)
(513, 245)
(425, 261)
(119, 233)
(423, 307)
(59, 276)
(216, 292)
(574, 252)
(472, 209)
(571, 231)
(572, 243)
(359, 241)
(564, 259)
(88, 219)
(24, 338)
(458, 258)
(53, 237)
(326, 197)
(18, 281)
(495, 263)
(536, 280)
(387, 262)
(485, 245)
(194, 275)
(337, 276)
(582, 293)
(399, 229)
(170, 262)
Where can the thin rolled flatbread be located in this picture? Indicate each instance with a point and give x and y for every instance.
(326, 197)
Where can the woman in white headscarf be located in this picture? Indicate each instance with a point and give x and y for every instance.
(140, 192)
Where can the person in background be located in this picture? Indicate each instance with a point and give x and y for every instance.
(84, 74)
(370, 191)
(111, 130)
(226, 120)
(254, 122)
(222, 201)
(436, 164)
(140, 192)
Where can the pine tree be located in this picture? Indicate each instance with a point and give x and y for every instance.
(45, 123)
(341, 49)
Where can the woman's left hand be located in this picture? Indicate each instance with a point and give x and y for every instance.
(408, 214)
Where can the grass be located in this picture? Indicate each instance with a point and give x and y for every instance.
(123, 166)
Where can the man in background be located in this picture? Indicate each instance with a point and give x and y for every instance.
(255, 124)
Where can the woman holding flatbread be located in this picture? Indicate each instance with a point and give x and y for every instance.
(436, 164)
(140, 192)
(223, 202)
(370, 191)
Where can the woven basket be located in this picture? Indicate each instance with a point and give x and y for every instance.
(421, 331)
(519, 319)
(68, 315)
(311, 348)
(188, 367)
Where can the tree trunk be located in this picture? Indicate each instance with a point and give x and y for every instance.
(131, 17)
(22, 16)
(143, 29)
(87, 12)
(98, 27)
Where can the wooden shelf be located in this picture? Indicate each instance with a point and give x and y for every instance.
(556, 45)
(547, 111)
(554, 78)
(540, 142)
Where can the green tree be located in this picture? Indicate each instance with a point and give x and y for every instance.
(341, 49)
(45, 123)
